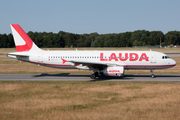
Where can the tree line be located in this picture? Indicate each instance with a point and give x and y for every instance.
(128, 39)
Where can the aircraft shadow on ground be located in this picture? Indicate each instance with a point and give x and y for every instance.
(100, 78)
(61, 75)
(103, 78)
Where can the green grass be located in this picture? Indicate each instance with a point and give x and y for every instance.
(89, 100)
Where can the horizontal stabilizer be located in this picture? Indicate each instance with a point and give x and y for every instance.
(21, 54)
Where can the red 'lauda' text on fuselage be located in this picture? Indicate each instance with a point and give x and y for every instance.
(113, 71)
(131, 56)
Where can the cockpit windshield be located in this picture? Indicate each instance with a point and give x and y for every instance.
(165, 57)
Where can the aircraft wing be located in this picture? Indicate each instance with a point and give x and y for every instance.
(98, 65)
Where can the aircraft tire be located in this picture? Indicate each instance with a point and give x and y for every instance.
(152, 76)
(93, 76)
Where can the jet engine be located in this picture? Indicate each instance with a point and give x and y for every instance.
(113, 71)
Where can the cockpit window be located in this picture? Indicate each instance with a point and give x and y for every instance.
(165, 57)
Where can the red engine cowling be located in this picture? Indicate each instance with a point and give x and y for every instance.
(113, 71)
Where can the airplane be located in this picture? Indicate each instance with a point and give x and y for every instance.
(109, 63)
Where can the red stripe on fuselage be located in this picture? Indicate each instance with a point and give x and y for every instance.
(125, 66)
(147, 66)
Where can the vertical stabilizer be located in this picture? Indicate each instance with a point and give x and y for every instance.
(22, 41)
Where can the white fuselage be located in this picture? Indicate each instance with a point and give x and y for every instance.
(127, 59)
(111, 63)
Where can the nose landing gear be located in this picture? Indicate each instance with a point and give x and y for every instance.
(152, 74)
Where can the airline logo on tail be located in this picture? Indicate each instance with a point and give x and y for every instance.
(22, 41)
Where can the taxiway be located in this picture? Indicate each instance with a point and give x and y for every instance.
(82, 77)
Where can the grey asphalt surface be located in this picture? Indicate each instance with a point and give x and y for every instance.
(173, 54)
(82, 77)
(9, 59)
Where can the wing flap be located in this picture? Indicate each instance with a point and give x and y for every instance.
(89, 64)
(98, 65)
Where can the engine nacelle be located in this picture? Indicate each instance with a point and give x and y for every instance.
(113, 71)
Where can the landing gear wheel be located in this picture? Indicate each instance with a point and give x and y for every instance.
(93, 76)
(152, 76)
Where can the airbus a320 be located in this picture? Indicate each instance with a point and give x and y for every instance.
(109, 63)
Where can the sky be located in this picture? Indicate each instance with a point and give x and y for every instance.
(89, 16)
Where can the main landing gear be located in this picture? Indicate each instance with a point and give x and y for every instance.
(94, 75)
(152, 74)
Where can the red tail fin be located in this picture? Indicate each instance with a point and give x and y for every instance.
(22, 41)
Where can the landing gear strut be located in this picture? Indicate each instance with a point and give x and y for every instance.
(94, 75)
(152, 74)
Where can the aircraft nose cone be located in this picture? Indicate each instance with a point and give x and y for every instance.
(173, 62)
